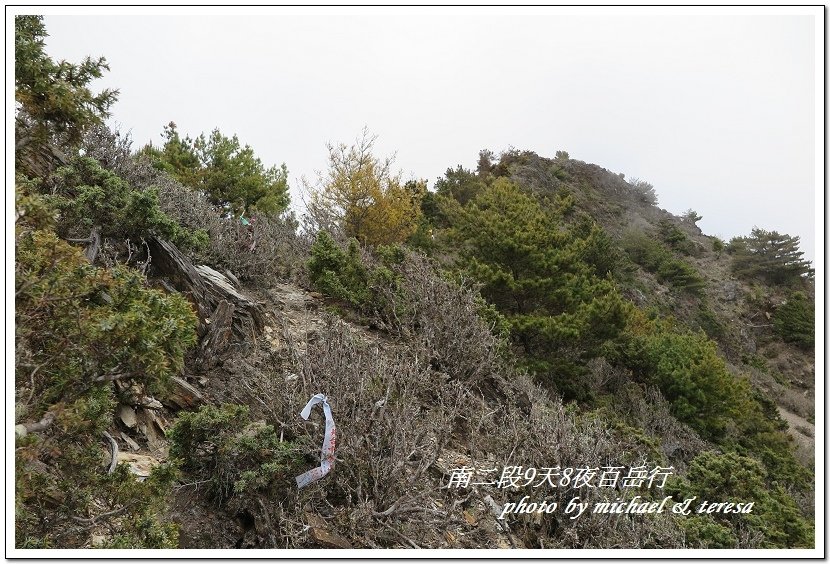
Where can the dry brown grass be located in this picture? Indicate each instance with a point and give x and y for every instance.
(409, 410)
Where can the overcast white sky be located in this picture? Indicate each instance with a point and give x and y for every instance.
(717, 111)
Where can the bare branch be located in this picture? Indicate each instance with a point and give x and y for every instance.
(93, 520)
(42, 425)
(113, 453)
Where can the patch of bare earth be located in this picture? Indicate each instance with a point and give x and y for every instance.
(804, 434)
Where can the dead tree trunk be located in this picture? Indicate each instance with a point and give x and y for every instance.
(218, 336)
(91, 252)
(225, 316)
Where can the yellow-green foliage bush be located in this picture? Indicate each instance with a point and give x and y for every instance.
(88, 326)
(78, 328)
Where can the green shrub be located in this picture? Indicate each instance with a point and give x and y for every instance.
(240, 459)
(740, 479)
(705, 532)
(225, 170)
(52, 98)
(794, 320)
(695, 380)
(709, 322)
(33, 209)
(691, 216)
(755, 361)
(87, 195)
(370, 284)
(655, 257)
(770, 256)
(702, 393)
(79, 328)
(676, 239)
(460, 184)
(88, 326)
(535, 270)
(644, 250)
(681, 275)
(599, 249)
(337, 273)
(644, 191)
(423, 239)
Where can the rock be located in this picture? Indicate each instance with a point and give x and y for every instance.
(135, 396)
(140, 464)
(229, 275)
(98, 540)
(328, 540)
(130, 443)
(729, 291)
(218, 278)
(469, 517)
(218, 337)
(315, 521)
(152, 426)
(494, 507)
(149, 403)
(320, 533)
(207, 288)
(127, 415)
(184, 396)
(20, 411)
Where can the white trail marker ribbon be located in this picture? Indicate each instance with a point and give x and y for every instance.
(327, 454)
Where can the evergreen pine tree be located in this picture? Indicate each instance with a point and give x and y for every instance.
(769, 255)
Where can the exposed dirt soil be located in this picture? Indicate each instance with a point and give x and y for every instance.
(804, 433)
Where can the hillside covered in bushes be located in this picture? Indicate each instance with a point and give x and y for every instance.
(173, 317)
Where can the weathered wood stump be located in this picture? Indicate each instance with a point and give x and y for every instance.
(226, 317)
